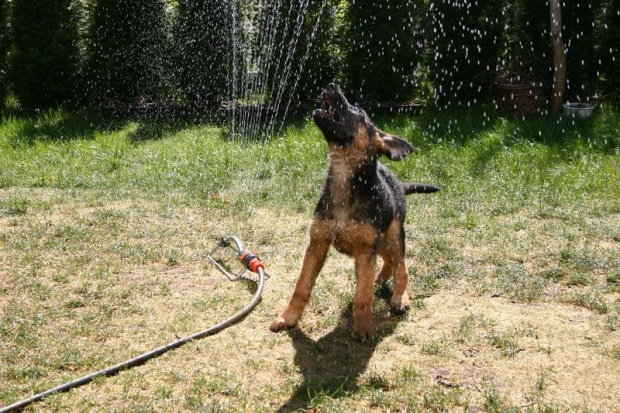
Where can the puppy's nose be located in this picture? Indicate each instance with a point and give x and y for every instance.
(331, 87)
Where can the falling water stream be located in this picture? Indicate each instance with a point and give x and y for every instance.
(267, 64)
(260, 97)
(270, 42)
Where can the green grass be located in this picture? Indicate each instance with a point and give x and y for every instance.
(104, 226)
(506, 343)
(500, 164)
(590, 299)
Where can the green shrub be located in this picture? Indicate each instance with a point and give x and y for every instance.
(323, 55)
(382, 51)
(528, 41)
(528, 48)
(579, 36)
(203, 45)
(303, 56)
(45, 55)
(4, 46)
(127, 49)
(610, 50)
(464, 44)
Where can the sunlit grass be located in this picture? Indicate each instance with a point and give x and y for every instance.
(470, 153)
(104, 225)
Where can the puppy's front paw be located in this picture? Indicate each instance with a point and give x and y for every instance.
(362, 329)
(399, 304)
(280, 324)
(288, 319)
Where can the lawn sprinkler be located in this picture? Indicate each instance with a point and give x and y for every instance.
(250, 262)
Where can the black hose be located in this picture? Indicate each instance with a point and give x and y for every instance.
(148, 355)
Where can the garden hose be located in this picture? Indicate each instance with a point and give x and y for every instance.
(249, 260)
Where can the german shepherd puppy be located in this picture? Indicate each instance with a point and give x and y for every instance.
(361, 212)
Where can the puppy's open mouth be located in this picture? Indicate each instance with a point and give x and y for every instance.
(329, 109)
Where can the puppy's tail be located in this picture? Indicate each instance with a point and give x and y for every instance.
(414, 188)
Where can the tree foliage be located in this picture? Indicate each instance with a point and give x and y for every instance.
(4, 46)
(300, 47)
(202, 52)
(464, 45)
(381, 52)
(609, 52)
(127, 50)
(45, 55)
(579, 34)
(528, 51)
(322, 58)
(203, 42)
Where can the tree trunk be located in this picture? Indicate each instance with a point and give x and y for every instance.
(559, 58)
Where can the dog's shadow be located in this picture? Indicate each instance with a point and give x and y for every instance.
(332, 365)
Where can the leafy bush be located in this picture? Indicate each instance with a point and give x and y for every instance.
(203, 43)
(382, 52)
(528, 48)
(464, 44)
(323, 55)
(528, 41)
(610, 49)
(301, 50)
(4, 46)
(45, 55)
(578, 30)
(127, 49)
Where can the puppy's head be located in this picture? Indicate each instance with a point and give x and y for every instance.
(347, 127)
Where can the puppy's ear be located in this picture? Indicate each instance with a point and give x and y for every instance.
(393, 147)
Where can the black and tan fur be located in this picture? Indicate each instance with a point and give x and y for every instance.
(361, 212)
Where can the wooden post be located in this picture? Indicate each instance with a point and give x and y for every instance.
(559, 58)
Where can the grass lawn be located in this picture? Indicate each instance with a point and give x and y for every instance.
(515, 267)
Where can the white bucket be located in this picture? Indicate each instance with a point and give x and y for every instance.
(579, 110)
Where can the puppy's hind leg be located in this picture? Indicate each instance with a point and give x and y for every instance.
(400, 297)
(313, 262)
(386, 271)
(396, 245)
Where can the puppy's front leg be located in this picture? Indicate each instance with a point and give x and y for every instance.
(362, 302)
(313, 262)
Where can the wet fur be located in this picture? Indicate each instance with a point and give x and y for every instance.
(361, 213)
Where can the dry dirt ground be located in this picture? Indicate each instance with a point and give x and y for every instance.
(89, 279)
